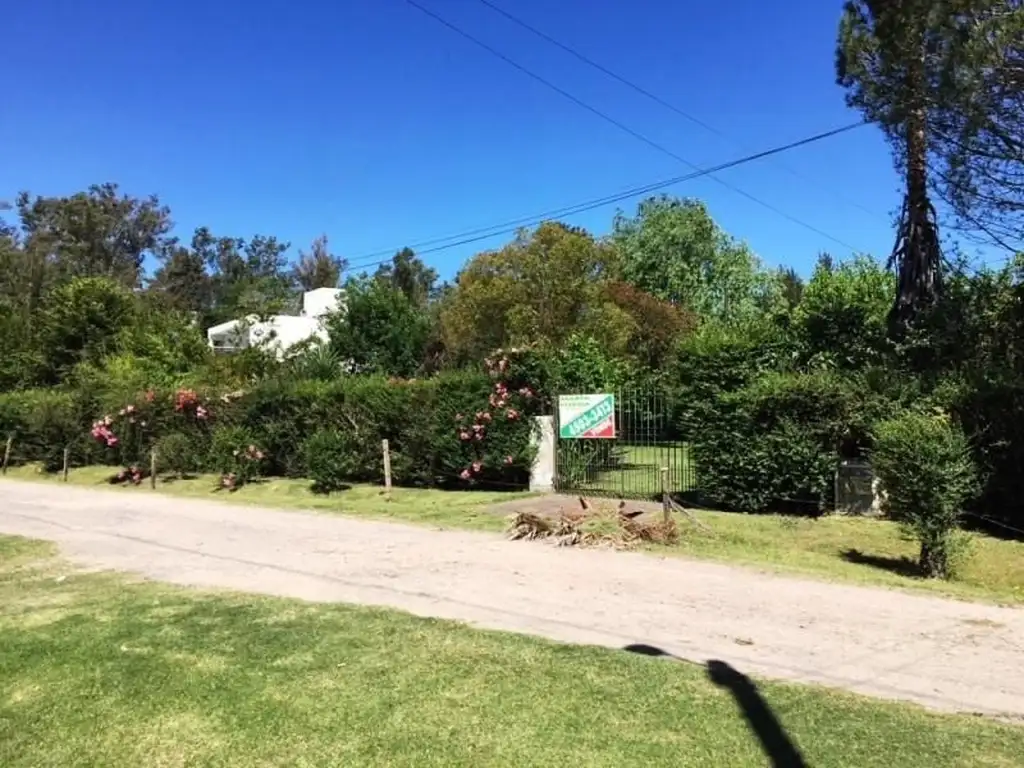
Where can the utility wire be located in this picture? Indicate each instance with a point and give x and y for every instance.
(618, 124)
(648, 94)
(508, 227)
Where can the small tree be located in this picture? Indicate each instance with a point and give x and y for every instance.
(925, 466)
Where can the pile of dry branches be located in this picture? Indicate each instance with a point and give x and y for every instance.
(601, 525)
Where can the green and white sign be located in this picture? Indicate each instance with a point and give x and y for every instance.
(584, 417)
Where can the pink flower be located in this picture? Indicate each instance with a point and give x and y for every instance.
(526, 392)
(508, 460)
(485, 416)
(129, 409)
(478, 436)
(512, 414)
(463, 435)
(464, 474)
(150, 395)
(500, 388)
(200, 412)
(477, 466)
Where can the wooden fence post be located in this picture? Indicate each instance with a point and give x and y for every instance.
(152, 469)
(67, 458)
(387, 469)
(7, 452)
(666, 504)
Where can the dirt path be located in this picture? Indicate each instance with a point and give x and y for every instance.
(943, 654)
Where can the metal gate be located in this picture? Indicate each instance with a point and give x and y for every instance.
(629, 465)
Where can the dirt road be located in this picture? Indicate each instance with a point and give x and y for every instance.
(942, 654)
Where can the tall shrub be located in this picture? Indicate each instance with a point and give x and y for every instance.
(924, 463)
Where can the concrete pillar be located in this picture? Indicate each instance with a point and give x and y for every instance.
(542, 474)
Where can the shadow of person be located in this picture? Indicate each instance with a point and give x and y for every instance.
(780, 750)
(643, 649)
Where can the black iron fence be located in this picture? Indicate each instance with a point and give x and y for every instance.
(630, 464)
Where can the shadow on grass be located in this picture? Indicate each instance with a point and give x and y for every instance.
(642, 649)
(782, 752)
(901, 566)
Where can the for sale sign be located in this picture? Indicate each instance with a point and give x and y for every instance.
(586, 416)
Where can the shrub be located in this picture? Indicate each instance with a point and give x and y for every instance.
(43, 423)
(925, 466)
(235, 454)
(333, 458)
(776, 443)
(176, 454)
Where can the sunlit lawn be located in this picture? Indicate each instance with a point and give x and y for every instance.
(871, 552)
(96, 670)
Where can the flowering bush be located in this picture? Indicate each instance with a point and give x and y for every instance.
(491, 454)
(236, 457)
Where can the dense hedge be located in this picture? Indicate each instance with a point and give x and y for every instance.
(454, 429)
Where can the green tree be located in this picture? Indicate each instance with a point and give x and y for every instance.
(97, 233)
(408, 274)
(81, 321)
(673, 249)
(541, 288)
(181, 281)
(379, 330)
(319, 268)
(917, 68)
(977, 135)
(842, 313)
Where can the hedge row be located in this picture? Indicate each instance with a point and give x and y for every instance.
(454, 429)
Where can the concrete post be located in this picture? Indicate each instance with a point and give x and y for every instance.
(542, 474)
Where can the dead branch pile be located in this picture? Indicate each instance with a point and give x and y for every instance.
(592, 526)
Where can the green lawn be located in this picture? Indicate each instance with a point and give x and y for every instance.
(633, 471)
(870, 552)
(98, 670)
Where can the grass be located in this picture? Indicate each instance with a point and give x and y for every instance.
(461, 509)
(101, 671)
(637, 472)
(857, 550)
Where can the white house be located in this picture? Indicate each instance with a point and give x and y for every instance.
(278, 332)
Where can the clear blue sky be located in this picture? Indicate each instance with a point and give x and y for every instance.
(372, 123)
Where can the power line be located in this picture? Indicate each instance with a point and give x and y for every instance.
(618, 124)
(508, 227)
(645, 92)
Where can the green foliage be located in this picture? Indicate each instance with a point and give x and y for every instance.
(236, 455)
(333, 457)
(81, 323)
(776, 443)
(541, 288)
(925, 465)
(43, 423)
(379, 330)
(673, 250)
(177, 454)
(319, 268)
(842, 314)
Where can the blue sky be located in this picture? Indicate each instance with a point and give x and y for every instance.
(372, 123)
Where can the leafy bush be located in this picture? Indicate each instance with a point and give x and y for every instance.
(333, 458)
(235, 454)
(176, 454)
(776, 443)
(925, 466)
(44, 422)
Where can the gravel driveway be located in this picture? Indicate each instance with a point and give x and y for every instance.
(943, 654)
